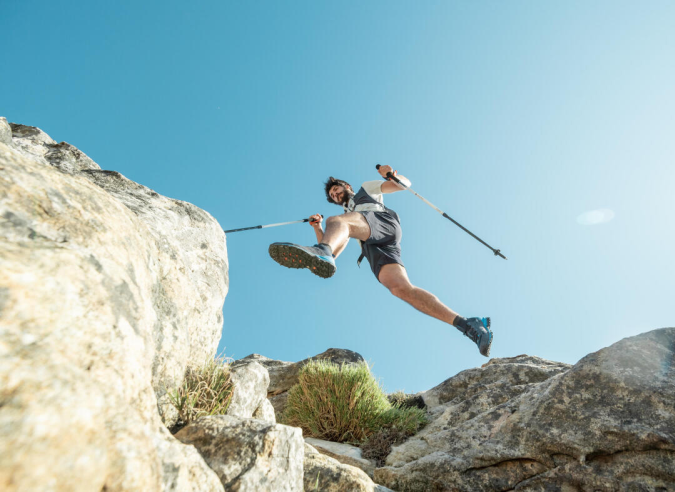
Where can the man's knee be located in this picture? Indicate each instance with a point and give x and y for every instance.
(401, 290)
(334, 219)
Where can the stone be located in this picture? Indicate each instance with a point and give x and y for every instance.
(5, 132)
(265, 412)
(607, 423)
(329, 475)
(279, 402)
(100, 307)
(249, 454)
(189, 255)
(344, 453)
(250, 381)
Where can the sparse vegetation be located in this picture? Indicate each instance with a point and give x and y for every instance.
(378, 446)
(344, 404)
(402, 400)
(206, 390)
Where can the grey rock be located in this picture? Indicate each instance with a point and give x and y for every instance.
(279, 402)
(494, 383)
(189, 260)
(344, 453)
(250, 381)
(85, 290)
(608, 423)
(265, 412)
(329, 475)
(5, 132)
(248, 454)
(37, 145)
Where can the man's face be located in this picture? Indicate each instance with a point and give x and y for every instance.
(340, 194)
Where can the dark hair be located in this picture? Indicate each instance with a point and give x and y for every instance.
(332, 182)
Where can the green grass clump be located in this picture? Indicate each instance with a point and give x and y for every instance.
(206, 390)
(344, 404)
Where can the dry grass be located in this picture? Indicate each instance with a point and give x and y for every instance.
(206, 390)
(344, 404)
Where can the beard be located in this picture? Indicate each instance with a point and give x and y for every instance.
(346, 196)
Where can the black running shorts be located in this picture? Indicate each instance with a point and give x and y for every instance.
(384, 244)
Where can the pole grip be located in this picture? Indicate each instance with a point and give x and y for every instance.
(390, 175)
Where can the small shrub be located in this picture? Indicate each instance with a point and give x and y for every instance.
(378, 446)
(206, 390)
(344, 404)
(400, 399)
(408, 419)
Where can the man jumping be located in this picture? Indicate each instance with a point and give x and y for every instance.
(378, 230)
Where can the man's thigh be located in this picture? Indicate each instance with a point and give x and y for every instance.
(393, 275)
(358, 225)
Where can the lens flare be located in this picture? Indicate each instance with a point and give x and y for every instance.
(595, 217)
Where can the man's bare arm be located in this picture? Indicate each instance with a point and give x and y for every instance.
(392, 186)
(315, 222)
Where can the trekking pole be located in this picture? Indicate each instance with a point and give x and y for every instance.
(394, 178)
(269, 225)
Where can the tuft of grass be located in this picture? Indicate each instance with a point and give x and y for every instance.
(206, 390)
(344, 404)
(402, 400)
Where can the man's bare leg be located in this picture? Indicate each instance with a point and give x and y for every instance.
(394, 277)
(340, 228)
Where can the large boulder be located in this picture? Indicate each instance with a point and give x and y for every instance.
(107, 292)
(607, 424)
(189, 254)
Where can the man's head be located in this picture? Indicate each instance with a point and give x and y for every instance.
(337, 191)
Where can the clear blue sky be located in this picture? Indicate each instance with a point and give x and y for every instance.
(514, 117)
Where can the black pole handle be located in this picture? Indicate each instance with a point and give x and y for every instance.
(389, 175)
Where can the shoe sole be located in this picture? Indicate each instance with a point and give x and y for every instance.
(489, 346)
(291, 256)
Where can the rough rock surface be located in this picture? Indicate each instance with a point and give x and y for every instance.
(107, 292)
(190, 260)
(344, 453)
(248, 454)
(250, 381)
(265, 412)
(606, 424)
(329, 475)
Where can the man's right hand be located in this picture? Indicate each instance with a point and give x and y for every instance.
(315, 220)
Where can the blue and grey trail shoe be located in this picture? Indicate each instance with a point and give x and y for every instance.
(479, 331)
(318, 259)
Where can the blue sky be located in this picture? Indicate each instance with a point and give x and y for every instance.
(513, 117)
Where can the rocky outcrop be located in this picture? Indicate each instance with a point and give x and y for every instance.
(608, 423)
(248, 454)
(329, 475)
(107, 292)
(344, 453)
